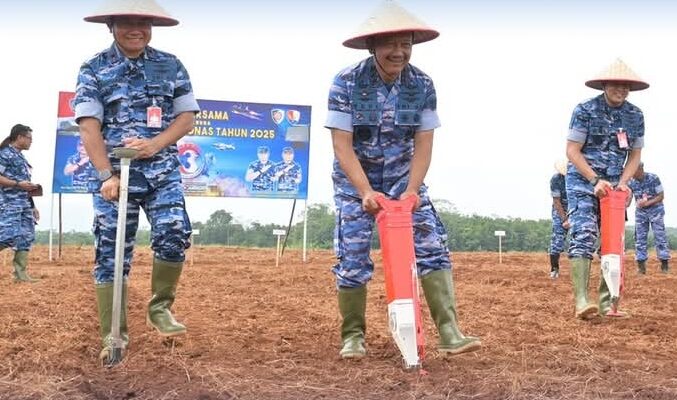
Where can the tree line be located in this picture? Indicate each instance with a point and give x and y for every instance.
(466, 232)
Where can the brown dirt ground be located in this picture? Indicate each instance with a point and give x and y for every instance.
(260, 332)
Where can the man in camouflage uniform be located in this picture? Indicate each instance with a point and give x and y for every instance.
(604, 145)
(135, 96)
(79, 167)
(382, 114)
(288, 172)
(560, 222)
(649, 213)
(18, 214)
(260, 172)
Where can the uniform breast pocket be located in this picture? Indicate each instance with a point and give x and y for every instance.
(365, 135)
(597, 138)
(158, 90)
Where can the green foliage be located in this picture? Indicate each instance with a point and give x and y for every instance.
(466, 232)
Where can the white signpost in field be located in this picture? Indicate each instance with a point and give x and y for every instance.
(279, 233)
(500, 234)
(196, 232)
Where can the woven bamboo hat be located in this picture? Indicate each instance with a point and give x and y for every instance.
(561, 167)
(389, 17)
(617, 72)
(132, 8)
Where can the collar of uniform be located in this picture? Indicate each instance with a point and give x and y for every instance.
(17, 152)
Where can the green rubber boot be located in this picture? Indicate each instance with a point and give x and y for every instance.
(580, 278)
(641, 267)
(605, 303)
(163, 286)
(20, 263)
(438, 287)
(104, 301)
(665, 267)
(353, 306)
(604, 297)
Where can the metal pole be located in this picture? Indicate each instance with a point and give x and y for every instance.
(51, 226)
(305, 229)
(60, 228)
(277, 253)
(125, 156)
(291, 219)
(500, 252)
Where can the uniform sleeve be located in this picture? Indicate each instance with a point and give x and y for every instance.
(429, 118)
(578, 127)
(87, 102)
(3, 163)
(659, 185)
(555, 190)
(340, 114)
(184, 99)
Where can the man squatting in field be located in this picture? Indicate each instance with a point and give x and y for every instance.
(604, 145)
(135, 96)
(18, 214)
(382, 114)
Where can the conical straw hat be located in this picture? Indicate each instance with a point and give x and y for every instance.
(617, 72)
(132, 8)
(561, 167)
(390, 18)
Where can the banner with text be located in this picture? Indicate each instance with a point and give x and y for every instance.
(235, 149)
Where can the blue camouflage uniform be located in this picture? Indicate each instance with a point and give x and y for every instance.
(82, 175)
(594, 123)
(559, 233)
(290, 178)
(263, 182)
(652, 216)
(117, 91)
(17, 225)
(383, 120)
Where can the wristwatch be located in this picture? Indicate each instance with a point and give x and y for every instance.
(104, 175)
(593, 181)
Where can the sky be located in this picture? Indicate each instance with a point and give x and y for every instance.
(508, 76)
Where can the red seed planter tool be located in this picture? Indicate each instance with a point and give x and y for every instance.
(612, 233)
(395, 229)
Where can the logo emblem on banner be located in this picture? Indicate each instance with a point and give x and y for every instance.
(277, 115)
(293, 116)
(192, 162)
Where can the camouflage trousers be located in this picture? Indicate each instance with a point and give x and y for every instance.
(646, 218)
(352, 242)
(170, 227)
(17, 228)
(583, 212)
(558, 235)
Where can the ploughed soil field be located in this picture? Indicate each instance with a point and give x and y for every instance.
(260, 332)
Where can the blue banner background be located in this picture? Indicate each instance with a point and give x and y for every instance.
(216, 155)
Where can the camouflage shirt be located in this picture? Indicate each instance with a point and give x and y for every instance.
(648, 188)
(263, 182)
(383, 119)
(558, 189)
(290, 176)
(118, 90)
(595, 124)
(14, 166)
